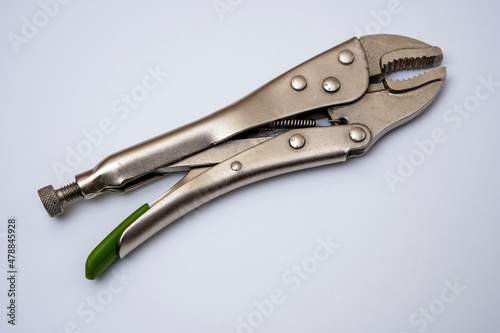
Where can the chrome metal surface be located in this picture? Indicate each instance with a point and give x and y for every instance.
(411, 59)
(298, 82)
(297, 141)
(382, 110)
(346, 57)
(271, 131)
(274, 101)
(380, 50)
(214, 155)
(331, 84)
(357, 134)
(418, 81)
(271, 158)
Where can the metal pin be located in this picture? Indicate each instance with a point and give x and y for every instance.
(236, 166)
(357, 134)
(298, 82)
(346, 57)
(297, 141)
(331, 84)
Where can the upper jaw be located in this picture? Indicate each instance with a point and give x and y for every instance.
(389, 53)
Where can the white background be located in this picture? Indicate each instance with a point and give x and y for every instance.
(399, 247)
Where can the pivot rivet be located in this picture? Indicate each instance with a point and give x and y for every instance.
(346, 57)
(236, 166)
(357, 134)
(298, 82)
(331, 84)
(297, 141)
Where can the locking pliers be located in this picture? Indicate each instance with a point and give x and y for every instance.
(272, 131)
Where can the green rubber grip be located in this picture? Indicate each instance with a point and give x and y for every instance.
(107, 250)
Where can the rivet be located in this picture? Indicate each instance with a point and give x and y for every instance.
(346, 57)
(331, 84)
(357, 134)
(298, 82)
(236, 166)
(297, 141)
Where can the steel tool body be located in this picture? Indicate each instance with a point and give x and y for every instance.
(271, 131)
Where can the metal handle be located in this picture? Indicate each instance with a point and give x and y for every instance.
(279, 99)
(291, 151)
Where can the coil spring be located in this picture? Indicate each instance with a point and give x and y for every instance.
(289, 124)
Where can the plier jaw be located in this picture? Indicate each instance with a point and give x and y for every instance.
(390, 53)
(270, 132)
(388, 104)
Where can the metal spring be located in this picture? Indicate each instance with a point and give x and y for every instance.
(289, 124)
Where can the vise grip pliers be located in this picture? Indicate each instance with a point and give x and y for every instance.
(271, 131)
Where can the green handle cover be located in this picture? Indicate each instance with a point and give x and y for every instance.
(107, 250)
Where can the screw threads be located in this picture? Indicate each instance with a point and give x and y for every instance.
(68, 193)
